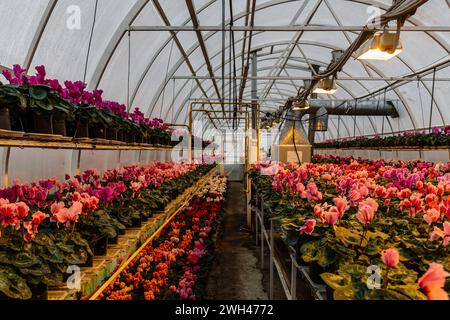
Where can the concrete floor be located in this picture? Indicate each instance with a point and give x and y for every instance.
(235, 273)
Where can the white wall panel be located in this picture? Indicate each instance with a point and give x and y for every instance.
(99, 159)
(34, 164)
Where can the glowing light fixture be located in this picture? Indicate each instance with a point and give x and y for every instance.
(326, 86)
(383, 46)
(300, 105)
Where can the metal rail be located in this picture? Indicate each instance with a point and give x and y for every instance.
(265, 238)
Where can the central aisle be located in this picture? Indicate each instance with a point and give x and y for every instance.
(235, 274)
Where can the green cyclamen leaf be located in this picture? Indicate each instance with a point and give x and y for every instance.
(39, 92)
(14, 286)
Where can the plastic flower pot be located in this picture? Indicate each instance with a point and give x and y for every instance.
(114, 240)
(330, 293)
(100, 246)
(137, 223)
(5, 119)
(82, 130)
(59, 124)
(40, 291)
(130, 137)
(112, 134)
(120, 135)
(314, 272)
(140, 138)
(97, 132)
(161, 207)
(89, 262)
(43, 123)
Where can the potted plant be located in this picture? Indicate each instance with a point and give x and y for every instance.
(90, 122)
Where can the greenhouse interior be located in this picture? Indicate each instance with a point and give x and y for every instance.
(233, 150)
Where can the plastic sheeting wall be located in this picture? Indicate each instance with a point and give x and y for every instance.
(30, 164)
(434, 155)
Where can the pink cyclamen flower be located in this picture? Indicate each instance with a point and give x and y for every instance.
(308, 227)
(332, 216)
(342, 205)
(366, 214)
(432, 216)
(357, 194)
(444, 234)
(370, 202)
(66, 215)
(390, 257)
(56, 207)
(313, 193)
(433, 281)
(404, 193)
(39, 217)
(136, 186)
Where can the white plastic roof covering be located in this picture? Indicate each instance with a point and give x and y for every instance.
(35, 32)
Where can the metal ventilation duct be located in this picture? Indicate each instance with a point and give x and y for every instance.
(360, 108)
(320, 120)
(352, 108)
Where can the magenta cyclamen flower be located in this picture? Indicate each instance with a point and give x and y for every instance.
(19, 77)
(137, 116)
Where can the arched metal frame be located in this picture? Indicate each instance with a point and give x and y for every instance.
(407, 108)
(322, 63)
(140, 5)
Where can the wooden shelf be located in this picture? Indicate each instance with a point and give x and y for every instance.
(82, 144)
(442, 148)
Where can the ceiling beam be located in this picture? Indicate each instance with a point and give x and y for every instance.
(279, 66)
(249, 48)
(293, 28)
(196, 24)
(178, 43)
(39, 32)
(289, 78)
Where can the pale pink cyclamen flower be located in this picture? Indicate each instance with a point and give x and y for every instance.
(370, 202)
(390, 257)
(432, 216)
(313, 193)
(433, 282)
(66, 215)
(357, 194)
(136, 186)
(366, 214)
(442, 234)
(301, 189)
(342, 205)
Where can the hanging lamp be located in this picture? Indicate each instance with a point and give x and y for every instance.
(300, 105)
(383, 46)
(326, 86)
